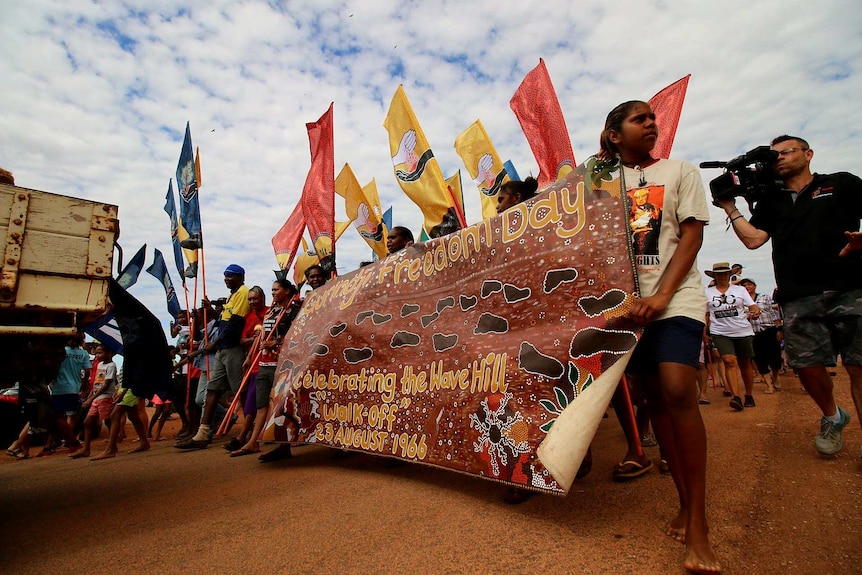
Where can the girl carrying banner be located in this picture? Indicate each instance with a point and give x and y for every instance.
(277, 319)
(664, 363)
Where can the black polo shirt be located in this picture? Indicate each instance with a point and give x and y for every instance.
(808, 234)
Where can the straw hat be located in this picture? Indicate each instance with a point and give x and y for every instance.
(718, 268)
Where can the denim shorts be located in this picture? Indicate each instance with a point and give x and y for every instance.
(671, 340)
(818, 328)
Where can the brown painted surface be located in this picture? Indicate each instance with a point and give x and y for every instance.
(775, 507)
(462, 351)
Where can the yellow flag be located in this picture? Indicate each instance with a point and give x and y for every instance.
(370, 191)
(198, 167)
(341, 227)
(483, 164)
(453, 183)
(363, 210)
(416, 168)
(306, 258)
(191, 255)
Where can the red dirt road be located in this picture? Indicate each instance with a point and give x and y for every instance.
(774, 507)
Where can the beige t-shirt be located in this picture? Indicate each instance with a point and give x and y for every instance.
(663, 195)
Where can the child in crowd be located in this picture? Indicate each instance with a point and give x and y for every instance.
(99, 403)
(664, 363)
(160, 416)
(126, 404)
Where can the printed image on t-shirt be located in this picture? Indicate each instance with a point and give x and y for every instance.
(645, 215)
(724, 305)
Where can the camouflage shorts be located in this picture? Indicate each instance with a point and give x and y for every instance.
(818, 328)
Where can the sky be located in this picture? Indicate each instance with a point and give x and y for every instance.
(96, 96)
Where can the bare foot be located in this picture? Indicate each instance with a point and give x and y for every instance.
(162, 438)
(142, 447)
(699, 555)
(701, 559)
(675, 529)
(79, 454)
(105, 455)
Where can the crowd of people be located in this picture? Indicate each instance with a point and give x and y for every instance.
(729, 332)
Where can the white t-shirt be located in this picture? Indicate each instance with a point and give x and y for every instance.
(106, 372)
(727, 311)
(663, 195)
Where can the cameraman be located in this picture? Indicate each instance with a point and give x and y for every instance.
(814, 227)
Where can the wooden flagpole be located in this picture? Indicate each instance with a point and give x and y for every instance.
(631, 413)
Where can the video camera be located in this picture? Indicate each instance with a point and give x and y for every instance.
(749, 175)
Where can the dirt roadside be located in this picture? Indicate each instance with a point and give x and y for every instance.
(774, 505)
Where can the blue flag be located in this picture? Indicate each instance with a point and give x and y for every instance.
(187, 184)
(511, 171)
(106, 331)
(387, 219)
(387, 223)
(171, 209)
(130, 273)
(160, 271)
(146, 359)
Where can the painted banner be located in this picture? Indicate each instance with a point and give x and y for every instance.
(470, 351)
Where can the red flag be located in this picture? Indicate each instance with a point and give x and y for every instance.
(538, 111)
(318, 194)
(667, 106)
(287, 239)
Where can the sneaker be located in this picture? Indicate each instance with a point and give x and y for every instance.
(736, 403)
(749, 401)
(828, 441)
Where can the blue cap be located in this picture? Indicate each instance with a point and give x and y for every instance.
(234, 270)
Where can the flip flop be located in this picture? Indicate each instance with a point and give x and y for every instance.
(13, 452)
(21, 456)
(630, 469)
(243, 451)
